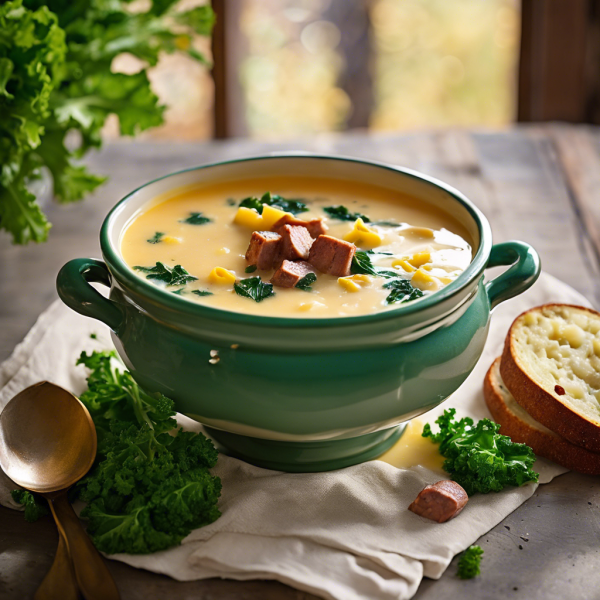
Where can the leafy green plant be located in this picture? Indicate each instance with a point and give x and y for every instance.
(172, 276)
(294, 206)
(362, 264)
(35, 505)
(150, 485)
(56, 78)
(341, 213)
(254, 288)
(469, 562)
(196, 218)
(306, 282)
(402, 291)
(478, 457)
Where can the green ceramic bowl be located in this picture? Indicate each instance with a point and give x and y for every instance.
(300, 394)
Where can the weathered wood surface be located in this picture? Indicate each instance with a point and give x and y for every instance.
(538, 184)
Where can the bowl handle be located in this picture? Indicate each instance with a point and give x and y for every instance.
(521, 276)
(74, 289)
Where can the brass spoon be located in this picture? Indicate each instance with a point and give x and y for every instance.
(47, 443)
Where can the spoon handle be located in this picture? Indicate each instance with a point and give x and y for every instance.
(59, 583)
(94, 579)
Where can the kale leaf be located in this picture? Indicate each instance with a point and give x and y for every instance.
(362, 263)
(341, 213)
(250, 269)
(171, 276)
(150, 484)
(196, 218)
(402, 291)
(156, 238)
(35, 506)
(254, 288)
(469, 562)
(306, 282)
(202, 293)
(294, 206)
(478, 457)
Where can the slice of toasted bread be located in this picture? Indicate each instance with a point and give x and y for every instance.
(551, 365)
(523, 428)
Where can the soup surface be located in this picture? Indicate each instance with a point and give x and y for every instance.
(193, 243)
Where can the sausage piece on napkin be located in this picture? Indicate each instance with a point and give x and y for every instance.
(440, 502)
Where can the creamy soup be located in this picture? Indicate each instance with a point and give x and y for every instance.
(194, 241)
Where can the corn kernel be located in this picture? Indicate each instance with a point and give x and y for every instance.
(348, 284)
(248, 217)
(169, 239)
(221, 276)
(422, 280)
(402, 262)
(423, 232)
(363, 236)
(270, 216)
(419, 259)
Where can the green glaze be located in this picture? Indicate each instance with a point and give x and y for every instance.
(300, 394)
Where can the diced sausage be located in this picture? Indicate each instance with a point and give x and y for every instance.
(331, 255)
(263, 249)
(315, 227)
(295, 243)
(440, 502)
(290, 273)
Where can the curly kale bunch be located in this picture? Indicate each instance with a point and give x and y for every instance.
(55, 77)
(478, 457)
(150, 485)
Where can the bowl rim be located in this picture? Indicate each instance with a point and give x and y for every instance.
(124, 273)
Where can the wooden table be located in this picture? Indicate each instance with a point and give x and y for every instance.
(539, 184)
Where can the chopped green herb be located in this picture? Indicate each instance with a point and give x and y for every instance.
(293, 206)
(254, 288)
(250, 269)
(469, 562)
(230, 202)
(156, 238)
(202, 293)
(179, 292)
(35, 506)
(171, 276)
(94, 336)
(196, 218)
(402, 291)
(381, 253)
(341, 213)
(306, 282)
(478, 457)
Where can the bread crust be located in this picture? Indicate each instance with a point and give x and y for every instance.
(544, 443)
(542, 405)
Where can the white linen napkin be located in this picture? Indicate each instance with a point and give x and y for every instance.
(342, 535)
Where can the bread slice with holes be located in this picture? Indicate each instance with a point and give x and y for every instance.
(551, 365)
(521, 427)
